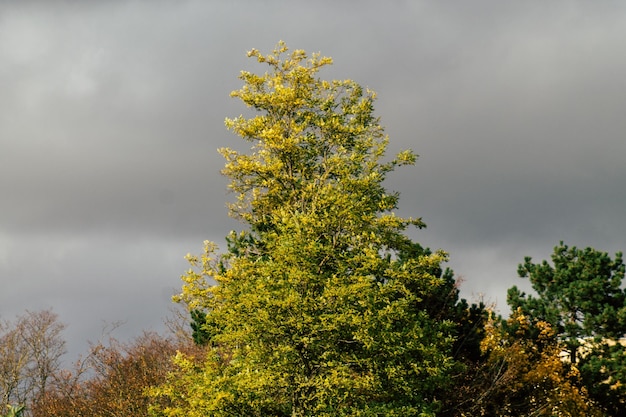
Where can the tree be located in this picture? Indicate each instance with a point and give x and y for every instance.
(113, 379)
(524, 374)
(322, 305)
(581, 296)
(31, 348)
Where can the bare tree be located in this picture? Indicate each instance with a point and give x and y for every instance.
(31, 348)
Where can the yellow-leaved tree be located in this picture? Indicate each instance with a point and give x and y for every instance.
(322, 305)
(524, 373)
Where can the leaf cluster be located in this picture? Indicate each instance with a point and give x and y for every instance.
(322, 305)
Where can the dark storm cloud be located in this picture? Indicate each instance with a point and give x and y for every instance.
(111, 114)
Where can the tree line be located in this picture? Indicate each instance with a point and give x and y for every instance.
(323, 306)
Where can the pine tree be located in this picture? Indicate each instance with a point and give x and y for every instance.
(580, 294)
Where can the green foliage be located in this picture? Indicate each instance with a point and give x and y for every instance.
(603, 369)
(322, 306)
(15, 411)
(581, 296)
(199, 328)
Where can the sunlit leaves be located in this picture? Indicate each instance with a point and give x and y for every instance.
(315, 308)
(524, 374)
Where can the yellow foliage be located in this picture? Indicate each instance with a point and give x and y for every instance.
(526, 373)
(312, 311)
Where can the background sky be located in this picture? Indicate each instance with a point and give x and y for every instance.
(111, 113)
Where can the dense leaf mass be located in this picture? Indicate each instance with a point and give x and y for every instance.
(580, 294)
(316, 308)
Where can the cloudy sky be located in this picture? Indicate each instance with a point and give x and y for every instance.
(111, 113)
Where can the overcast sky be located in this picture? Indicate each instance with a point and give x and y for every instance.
(111, 113)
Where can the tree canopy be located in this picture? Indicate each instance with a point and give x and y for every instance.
(322, 305)
(581, 295)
